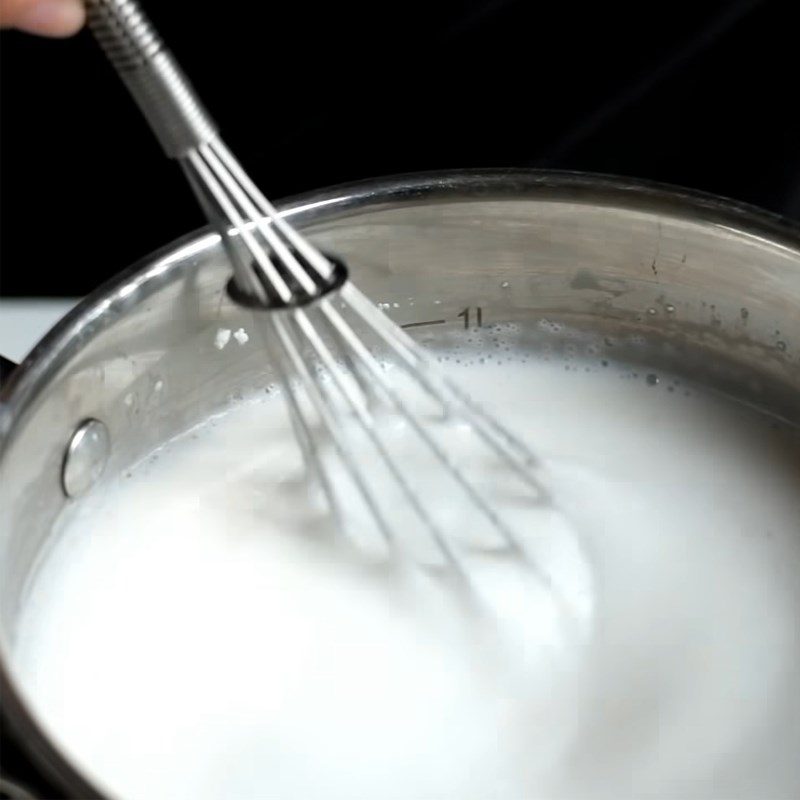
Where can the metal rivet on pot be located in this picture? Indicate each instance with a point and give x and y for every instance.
(85, 457)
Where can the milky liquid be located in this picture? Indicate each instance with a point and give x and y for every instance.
(199, 632)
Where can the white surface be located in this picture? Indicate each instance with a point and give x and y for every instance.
(198, 633)
(24, 322)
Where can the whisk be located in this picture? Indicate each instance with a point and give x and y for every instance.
(353, 417)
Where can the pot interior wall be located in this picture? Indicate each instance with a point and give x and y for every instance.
(666, 284)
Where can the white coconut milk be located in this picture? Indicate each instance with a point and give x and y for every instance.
(197, 632)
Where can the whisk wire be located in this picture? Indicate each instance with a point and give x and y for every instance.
(367, 425)
(244, 207)
(227, 204)
(331, 376)
(305, 439)
(310, 253)
(264, 224)
(419, 427)
(332, 429)
(417, 364)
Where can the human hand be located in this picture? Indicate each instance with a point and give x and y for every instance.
(43, 17)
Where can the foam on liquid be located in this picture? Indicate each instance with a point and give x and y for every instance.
(197, 632)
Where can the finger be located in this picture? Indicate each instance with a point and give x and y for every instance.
(43, 17)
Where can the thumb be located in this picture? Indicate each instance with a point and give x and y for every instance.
(43, 17)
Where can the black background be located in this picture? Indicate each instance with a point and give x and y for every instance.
(310, 94)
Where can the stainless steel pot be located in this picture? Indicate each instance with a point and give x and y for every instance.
(688, 282)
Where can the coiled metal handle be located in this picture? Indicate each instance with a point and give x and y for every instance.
(148, 69)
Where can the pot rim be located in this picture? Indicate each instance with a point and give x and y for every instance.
(344, 199)
(334, 202)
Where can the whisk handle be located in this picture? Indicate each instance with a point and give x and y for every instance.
(152, 75)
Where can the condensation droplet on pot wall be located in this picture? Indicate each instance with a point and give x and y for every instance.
(223, 336)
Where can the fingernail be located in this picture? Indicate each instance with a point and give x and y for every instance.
(53, 18)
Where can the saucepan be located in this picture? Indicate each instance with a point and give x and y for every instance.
(692, 283)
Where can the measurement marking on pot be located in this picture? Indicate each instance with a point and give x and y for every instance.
(420, 324)
(466, 315)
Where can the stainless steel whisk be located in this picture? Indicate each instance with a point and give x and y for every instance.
(322, 333)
